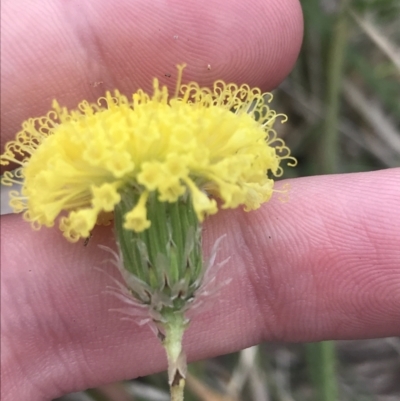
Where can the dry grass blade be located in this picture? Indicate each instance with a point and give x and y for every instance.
(144, 391)
(394, 342)
(114, 391)
(282, 374)
(76, 397)
(373, 115)
(242, 371)
(311, 110)
(204, 392)
(386, 46)
(247, 371)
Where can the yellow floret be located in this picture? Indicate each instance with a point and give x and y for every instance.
(136, 219)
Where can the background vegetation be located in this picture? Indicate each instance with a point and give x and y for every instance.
(343, 102)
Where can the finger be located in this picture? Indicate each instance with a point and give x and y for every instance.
(323, 265)
(72, 51)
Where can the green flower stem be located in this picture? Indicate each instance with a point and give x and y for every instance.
(177, 391)
(174, 327)
(337, 51)
(322, 367)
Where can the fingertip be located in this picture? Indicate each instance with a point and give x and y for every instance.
(255, 42)
(78, 53)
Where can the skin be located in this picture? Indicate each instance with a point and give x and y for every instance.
(323, 265)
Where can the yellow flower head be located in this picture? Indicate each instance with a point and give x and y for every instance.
(200, 142)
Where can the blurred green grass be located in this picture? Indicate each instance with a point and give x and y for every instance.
(342, 99)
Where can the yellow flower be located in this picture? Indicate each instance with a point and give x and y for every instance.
(200, 142)
(156, 164)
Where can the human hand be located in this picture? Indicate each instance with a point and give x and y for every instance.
(323, 265)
